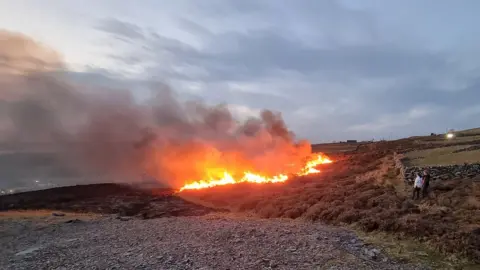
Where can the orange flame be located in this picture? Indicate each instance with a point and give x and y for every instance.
(216, 178)
(310, 166)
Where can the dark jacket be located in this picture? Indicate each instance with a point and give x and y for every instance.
(426, 180)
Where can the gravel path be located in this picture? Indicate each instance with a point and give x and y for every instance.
(215, 241)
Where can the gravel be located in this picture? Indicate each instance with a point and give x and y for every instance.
(214, 241)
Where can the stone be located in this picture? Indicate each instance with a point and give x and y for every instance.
(28, 251)
(58, 214)
(370, 253)
(73, 221)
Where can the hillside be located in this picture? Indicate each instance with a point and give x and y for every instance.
(366, 189)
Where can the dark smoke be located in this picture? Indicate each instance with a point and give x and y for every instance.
(106, 131)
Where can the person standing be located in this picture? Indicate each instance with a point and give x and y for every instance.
(426, 183)
(417, 186)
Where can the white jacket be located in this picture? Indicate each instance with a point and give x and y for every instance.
(418, 182)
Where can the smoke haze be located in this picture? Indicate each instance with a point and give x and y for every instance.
(107, 131)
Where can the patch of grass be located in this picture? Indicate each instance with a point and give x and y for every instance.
(334, 147)
(469, 132)
(45, 215)
(443, 156)
(458, 139)
(412, 250)
(462, 136)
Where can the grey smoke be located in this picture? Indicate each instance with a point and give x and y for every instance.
(106, 131)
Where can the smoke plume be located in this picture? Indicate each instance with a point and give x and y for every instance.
(108, 131)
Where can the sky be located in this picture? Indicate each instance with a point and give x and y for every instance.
(337, 70)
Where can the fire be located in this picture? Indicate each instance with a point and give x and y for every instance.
(217, 177)
(310, 166)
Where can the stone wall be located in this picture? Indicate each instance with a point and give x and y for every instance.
(446, 172)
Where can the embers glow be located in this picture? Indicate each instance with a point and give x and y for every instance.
(249, 177)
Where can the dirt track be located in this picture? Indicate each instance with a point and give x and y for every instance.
(214, 241)
(153, 229)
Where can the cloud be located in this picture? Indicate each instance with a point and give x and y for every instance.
(235, 56)
(388, 122)
(321, 62)
(122, 30)
(469, 111)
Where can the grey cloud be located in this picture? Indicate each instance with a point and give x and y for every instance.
(121, 29)
(265, 50)
(194, 28)
(257, 54)
(338, 54)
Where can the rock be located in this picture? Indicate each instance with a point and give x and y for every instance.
(73, 221)
(122, 218)
(455, 172)
(371, 253)
(358, 244)
(272, 264)
(28, 251)
(421, 253)
(320, 237)
(72, 240)
(58, 214)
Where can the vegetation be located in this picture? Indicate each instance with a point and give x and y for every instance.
(443, 156)
(469, 132)
(329, 148)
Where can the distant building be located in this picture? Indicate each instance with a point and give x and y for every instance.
(450, 134)
(351, 141)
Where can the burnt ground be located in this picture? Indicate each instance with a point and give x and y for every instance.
(121, 199)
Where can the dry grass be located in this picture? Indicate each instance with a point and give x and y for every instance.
(41, 218)
(412, 250)
(462, 137)
(443, 156)
(470, 132)
(45, 217)
(329, 148)
(443, 141)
